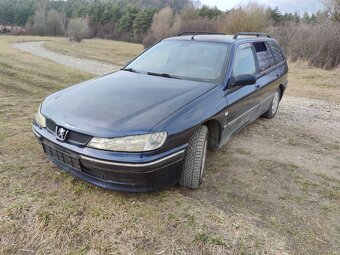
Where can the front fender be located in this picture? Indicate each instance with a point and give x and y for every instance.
(181, 124)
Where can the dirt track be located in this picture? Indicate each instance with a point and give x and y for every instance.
(90, 66)
(314, 115)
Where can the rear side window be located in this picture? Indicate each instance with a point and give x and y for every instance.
(244, 60)
(264, 56)
(276, 52)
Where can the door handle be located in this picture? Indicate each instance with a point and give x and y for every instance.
(257, 86)
(277, 75)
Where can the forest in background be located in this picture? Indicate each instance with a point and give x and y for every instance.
(309, 37)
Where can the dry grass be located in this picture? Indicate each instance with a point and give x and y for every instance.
(306, 81)
(250, 203)
(113, 52)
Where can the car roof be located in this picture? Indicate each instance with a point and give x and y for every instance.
(220, 38)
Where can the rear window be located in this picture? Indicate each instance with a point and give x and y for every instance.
(276, 52)
(264, 56)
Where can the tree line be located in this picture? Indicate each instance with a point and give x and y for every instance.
(125, 20)
(311, 37)
(107, 19)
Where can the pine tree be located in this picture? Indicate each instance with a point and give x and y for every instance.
(126, 22)
(276, 15)
(143, 21)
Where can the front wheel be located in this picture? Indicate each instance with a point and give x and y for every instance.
(194, 162)
(274, 106)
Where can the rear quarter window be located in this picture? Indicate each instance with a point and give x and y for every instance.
(277, 53)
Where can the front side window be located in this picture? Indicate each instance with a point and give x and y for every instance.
(244, 60)
(192, 60)
(264, 56)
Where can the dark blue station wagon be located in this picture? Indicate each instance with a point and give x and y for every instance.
(150, 124)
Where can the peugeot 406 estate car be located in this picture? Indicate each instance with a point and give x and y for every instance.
(150, 124)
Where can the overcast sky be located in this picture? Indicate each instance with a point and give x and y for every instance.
(300, 6)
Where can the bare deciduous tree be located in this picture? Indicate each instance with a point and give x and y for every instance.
(162, 23)
(54, 23)
(332, 9)
(317, 44)
(77, 30)
(160, 27)
(252, 18)
(39, 26)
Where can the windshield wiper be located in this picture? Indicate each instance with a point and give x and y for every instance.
(166, 75)
(129, 70)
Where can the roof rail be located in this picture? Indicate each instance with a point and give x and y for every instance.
(251, 34)
(194, 33)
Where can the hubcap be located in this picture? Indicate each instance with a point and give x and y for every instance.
(204, 157)
(275, 103)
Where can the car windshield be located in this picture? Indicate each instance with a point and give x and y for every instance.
(191, 60)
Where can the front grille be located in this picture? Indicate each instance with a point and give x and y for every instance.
(71, 160)
(72, 136)
(61, 156)
(78, 138)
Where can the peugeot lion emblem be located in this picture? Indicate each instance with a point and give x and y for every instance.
(61, 133)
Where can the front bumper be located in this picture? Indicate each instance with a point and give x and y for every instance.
(128, 172)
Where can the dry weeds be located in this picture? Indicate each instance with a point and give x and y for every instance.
(273, 190)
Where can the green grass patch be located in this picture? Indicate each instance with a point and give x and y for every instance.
(209, 239)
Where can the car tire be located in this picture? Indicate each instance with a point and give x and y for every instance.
(274, 106)
(194, 162)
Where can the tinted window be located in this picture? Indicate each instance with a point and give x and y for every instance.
(264, 56)
(193, 60)
(244, 60)
(276, 52)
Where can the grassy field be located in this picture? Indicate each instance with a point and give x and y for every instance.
(250, 202)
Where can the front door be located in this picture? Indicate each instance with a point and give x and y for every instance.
(242, 101)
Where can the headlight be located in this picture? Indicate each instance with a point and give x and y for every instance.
(136, 143)
(40, 119)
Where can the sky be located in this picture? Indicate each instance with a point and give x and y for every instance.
(300, 6)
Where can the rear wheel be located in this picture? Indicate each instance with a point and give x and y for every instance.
(274, 106)
(194, 162)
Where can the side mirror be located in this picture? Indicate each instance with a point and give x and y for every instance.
(244, 80)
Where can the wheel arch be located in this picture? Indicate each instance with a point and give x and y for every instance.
(214, 137)
(281, 91)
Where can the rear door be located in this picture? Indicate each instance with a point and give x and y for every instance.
(267, 77)
(281, 67)
(273, 72)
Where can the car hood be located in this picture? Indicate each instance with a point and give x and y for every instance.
(121, 103)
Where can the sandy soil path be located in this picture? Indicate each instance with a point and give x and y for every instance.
(90, 66)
